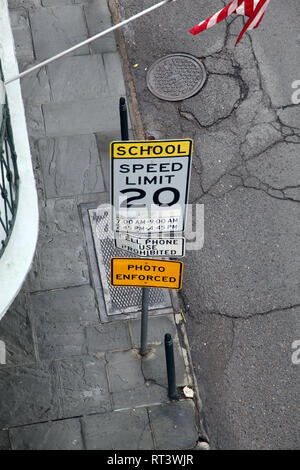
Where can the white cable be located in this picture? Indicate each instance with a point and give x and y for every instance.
(87, 41)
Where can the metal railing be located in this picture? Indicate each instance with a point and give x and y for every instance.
(9, 176)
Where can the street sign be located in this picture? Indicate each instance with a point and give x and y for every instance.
(146, 273)
(148, 246)
(149, 185)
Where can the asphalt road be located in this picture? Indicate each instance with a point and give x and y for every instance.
(241, 291)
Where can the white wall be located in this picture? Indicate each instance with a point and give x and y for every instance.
(16, 260)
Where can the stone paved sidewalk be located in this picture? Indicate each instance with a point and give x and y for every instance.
(70, 382)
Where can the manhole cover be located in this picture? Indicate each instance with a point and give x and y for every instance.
(176, 77)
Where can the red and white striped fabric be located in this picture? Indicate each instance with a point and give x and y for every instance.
(254, 9)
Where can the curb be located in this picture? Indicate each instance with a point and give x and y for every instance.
(134, 110)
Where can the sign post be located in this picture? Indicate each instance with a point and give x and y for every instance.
(144, 321)
(145, 292)
(149, 194)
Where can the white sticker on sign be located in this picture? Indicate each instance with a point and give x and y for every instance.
(151, 247)
(146, 221)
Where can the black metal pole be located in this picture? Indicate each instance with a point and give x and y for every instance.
(172, 392)
(123, 119)
(145, 291)
(144, 320)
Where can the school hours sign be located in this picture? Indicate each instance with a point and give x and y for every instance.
(149, 185)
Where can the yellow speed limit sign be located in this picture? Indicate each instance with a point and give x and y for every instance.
(146, 273)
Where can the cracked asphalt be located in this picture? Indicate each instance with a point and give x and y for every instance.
(241, 291)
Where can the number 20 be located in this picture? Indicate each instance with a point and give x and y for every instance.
(156, 197)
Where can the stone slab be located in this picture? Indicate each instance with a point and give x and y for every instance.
(84, 386)
(16, 332)
(67, 22)
(98, 19)
(59, 216)
(60, 257)
(128, 386)
(173, 425)
(114, 74)
(155, 369)
(86, 77)
(37, 171)
(157, 328)
(35, 86)
(103, 142)
(21, 32)
(24, 3)
(4, 440)
(118, 430)
(77, 77)
(82, 117)
(70, 165)
(54, 3)
(95, 198)
(59, 319)
(107, 337)
(35, 121)
(63, 262)
(32, 282)
(28, 395)
(58, 435)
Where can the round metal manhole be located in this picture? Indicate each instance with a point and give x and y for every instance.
(176, 77)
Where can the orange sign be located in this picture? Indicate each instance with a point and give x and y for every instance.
(146, 273)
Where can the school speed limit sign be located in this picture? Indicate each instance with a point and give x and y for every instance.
(149, 185)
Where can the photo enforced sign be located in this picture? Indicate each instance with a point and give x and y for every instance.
(149, 184)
